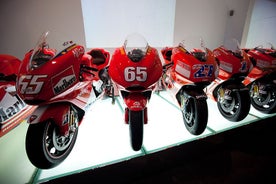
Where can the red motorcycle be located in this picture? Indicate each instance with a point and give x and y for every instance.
(135, 69)
(12, 108)
(186, 74)
(61, 85)
(227, 90)
(262, 79)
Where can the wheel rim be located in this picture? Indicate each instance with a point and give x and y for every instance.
(188, 112)
(56, 144)
(227, 101)
(265, 99)
(262, 100)
(228, 105)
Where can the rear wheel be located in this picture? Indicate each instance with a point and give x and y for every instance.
(136, 125)
(195, 114)
(45, 147)
(233, 104)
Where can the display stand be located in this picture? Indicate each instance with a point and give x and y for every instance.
(103, 139)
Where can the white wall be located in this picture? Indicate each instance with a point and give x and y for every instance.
(211, 20)
(114, 20)
(206, 19)
(22, 22)
(262, 28)
(236, 24)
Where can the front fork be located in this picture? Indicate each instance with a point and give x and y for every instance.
(64, 115)
(136, 101)
(225, 90)
(258, 89)
(145, 115)
(224, 94)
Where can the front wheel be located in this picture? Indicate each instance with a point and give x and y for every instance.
(45, 147)
(263, 97)
(195, 114)
(233, 104)
(136, 125)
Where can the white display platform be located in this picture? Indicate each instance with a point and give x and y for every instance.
(103, 138)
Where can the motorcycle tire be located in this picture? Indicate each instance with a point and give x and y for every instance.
(45, 147)
(265, 103)
(238, 107)
(195, 115)
(136, 125)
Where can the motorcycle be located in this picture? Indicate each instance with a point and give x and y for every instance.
(12, 108)
(186, 74)
(61, 85)
(135, 68)
(262, 79)
(227, 89)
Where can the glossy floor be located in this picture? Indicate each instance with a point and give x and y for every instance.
(103, 139)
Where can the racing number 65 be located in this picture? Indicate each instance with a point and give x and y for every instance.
(31, 84)
(135, 73)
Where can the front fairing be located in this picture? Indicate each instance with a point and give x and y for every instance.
(188, 69)
(38, 85)
(139, 75)
(230, 64)
(264, 63)
(263, 60)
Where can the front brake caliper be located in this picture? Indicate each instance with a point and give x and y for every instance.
(255, 90)
(224, 94)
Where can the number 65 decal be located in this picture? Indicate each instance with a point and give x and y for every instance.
(30, 84)
(138, 73)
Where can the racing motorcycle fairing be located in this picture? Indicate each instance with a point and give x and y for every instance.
(61, 84)
(188, 71)
(232, 62)
(234, 66)
(13, 110)
(185, 75)
(41, 84)
(135, 69)
(197, 65)
(264, 62)
(135, 78)
(139, 75)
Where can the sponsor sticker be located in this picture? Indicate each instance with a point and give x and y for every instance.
(63, 80)
(183, 69)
